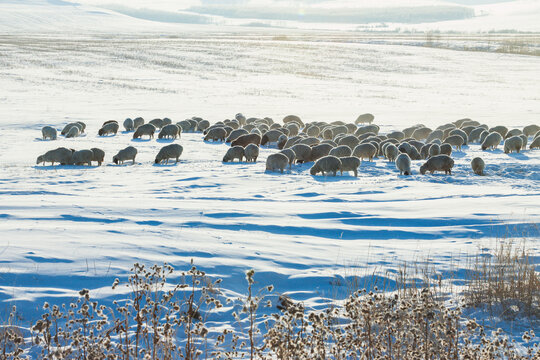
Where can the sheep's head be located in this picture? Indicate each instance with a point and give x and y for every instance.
(101, 132)
(115, 160)
(423, 169)
(39, 159)
(314, 170)
(407, 172)
(264, 140)
(157, 161)
(226, 158)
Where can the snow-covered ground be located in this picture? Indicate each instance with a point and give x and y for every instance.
(65, 228)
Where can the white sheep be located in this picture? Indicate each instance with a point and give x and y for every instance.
(203, 125)
(60, 155)
(145, 129)
(421, 133)
(349, 140)
(137, 122)
(349, 163)
(235, 134)
(128, 153)
(170, 131)
(327, 164)
(461, 133)
(235, 152)
(251, 152)
(276, 161)
(128, 125)
(68, 127)
(303, 152)
(478, 166)
(513, 144)
(446, 149)
(398, 135)
(438, 163)
(309, 141)
(271, 136)
(215, 134)
(455, 140)
(502, 130)
(535, 143)
(531, 130)
(109, 128)
(82, 157)
(513, 132)
(434, 150)
(492, 140)
(391, 152)
(289, 153)
(474, 136)
(48, 132)
(158, 123)
(293, 118)
(74, 131)
(403, 164)
(98, 155)
(364, 119)
(366, 150)
(318, 151)
(172, 151)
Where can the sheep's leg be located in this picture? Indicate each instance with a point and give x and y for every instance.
(355, 173)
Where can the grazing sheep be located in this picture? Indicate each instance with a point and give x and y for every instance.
(318, 151)
(129, 125)
(468, 130)
(438, 163)
(455, 140)
(186, 126)
(294, 129)
(367, 151)
(128, 153)
(391, 152)
(68, 127)
(436, 134)
(251, 153)
(245, 140)
(483, 136)
(276, 161)
(292, 141)
(145, 129)
(459, 123)
(502, 130)
(48, 132)
(166, 121)
(170, 131)
(271, 137)
(515, 143)
(60, 155)
(414, 154)
(424, 151)
(364, 119)
(524, 138)
(513, 132)
(172, 151)
(367, 129)
(478, 166)
(256, 131)
(434, 150)
(446, 149)
(309, 141)
(492, 141)
(341, 129)
(110, 128)
(403, 164)
(235, 134)
(215, 134)
(404, 147)
(158, 123)
(410, 130)
(474, 136)
(365, 136)
(293, 118)
(461, 133)
(349, 163)
(303, 152)
(137, 122)
(81, 125)
(235, 152)
(327, 164)
(531, 130)
(289, 153)
(351, 128)
(417, 144)
(398, 135)
(341, 151)
(349, 140)
(436, 141)
(203, 125)
(109, 122)
(421, 133)
(535, 143)
(98, 155)
(74, 131)
(82, 157)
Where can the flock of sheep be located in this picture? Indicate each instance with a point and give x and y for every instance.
(333, 147)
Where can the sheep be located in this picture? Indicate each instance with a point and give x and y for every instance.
(98, 155)
(158, 123)
(478, 166)
(410, 130)
(474, 136)
(341, 129)
(235, 134)
(74, 131)
(245, 140)
(531, 130)
(367, 129)
(364, 119)
(446, 149)
(60, 155)
(110, 128)
(309, 141)
(128, 153)
(251, 153)
(186, 125)
(483, 136)
(318, 151)
(291, 141)
(417, 144)
(502, 130)
(349, 140)
(172, 151)
(235, 152)
(434, 150)
(166, 121)
(468, 129)
(460, 122)
(349, 163)
(341, 151)
(513, 132)
(68, 127)
(414, 154)
(294, 129)
(421, 133)
(145, 129)
(293, 118)
(351, 128)
(438, 163)
(290, 154)
(424, 151)
(256, 131)
(81, 125)
(535, 143)
(327, 164)
(109, 122)
(48, 132)
(240, 118)
(367, 150)
(365, 136)
(271, 136)
(276, 161)
(391, 152)
(129, 125)
(302, 151)
(524, 138)
(436, 134)
(329, 142)
(170, 131)
(403, 164)
(232, 123)
(203, 124)
(214, 134)
(404, 147)
(82, 157)
(461, 133)
(513, 144)
(138, 121)
(455, 140)
(492, 141)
